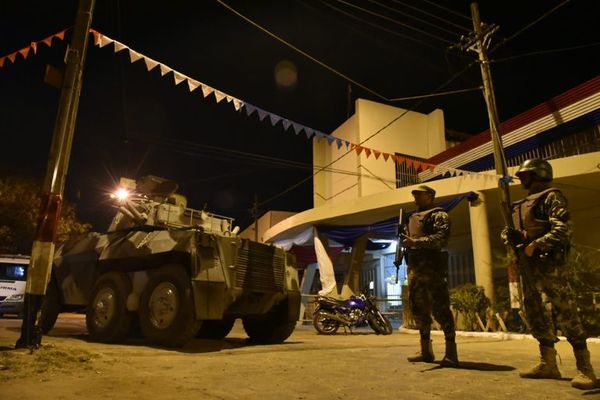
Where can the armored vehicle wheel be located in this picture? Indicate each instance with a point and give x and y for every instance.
(107, 318)
(274, 327)
(215, 329)
(167, 315)
(325, 325)
(50, 307)
(380, 323)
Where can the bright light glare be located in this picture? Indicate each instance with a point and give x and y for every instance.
(121, 194)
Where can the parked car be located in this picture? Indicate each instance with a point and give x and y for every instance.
(13, 277)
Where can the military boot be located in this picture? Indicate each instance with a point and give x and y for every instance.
(451, 358)
(585, 378)
(426, 353)
(547, 368)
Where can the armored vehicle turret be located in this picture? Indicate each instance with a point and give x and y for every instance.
(173, 271)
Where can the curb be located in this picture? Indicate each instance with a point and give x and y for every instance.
(489, 335)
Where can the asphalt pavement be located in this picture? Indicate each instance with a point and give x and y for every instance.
(358, 365)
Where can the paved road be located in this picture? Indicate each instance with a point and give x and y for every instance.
(307, 366)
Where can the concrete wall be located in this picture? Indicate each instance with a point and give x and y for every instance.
(411, 133)
(266, 221)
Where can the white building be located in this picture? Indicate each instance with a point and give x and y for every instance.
(358, 189)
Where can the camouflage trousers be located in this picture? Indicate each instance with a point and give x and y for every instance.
(428, 292)
(549, 301)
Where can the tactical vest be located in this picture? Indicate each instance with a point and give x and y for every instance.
(524, 217)
(416, 223)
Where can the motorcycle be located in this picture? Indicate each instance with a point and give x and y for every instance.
(331, 313)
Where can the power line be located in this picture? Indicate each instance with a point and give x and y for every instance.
(548, 51)
(448, 10)
(426, 96)
(331, 69)
(462, 28)
(529, 25)
(436, 26)
(379, 26)
(394, 21)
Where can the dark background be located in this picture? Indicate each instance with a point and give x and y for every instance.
(132, 122)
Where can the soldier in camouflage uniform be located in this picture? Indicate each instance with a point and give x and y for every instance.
(542, 229)
(426, 233)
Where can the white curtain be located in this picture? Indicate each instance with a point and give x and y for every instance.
(325, 268)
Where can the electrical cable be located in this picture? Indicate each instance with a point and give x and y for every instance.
(448, 10)
(395, 21)
(548, 51)
(529, 25)
(331, 69)
(379, 26)
(462, 28)
(431, 24)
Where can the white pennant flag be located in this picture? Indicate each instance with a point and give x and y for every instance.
(250, 109)
(229, 99)
(274, 119)
(206, 90)
(286, 124)
(134, 56)
(219, 96)
(104, 40)
(192, 84)
(237, 104)
(261, 113)
(119, 46)
(178, 77)
(164, 69)
(297, 127)
(150, 63)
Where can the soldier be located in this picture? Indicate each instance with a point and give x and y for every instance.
(542, 229)
(427, 233)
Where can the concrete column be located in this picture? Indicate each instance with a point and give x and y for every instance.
(482, 249)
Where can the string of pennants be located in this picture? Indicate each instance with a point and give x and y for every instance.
(102, 40)
(33, 46)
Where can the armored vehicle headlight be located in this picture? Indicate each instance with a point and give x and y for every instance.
(121, 194)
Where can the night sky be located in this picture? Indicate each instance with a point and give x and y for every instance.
(132, 122)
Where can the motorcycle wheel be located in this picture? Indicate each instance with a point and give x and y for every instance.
(325, 325)
(380, 324)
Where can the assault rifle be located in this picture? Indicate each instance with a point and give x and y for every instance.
(400, 251)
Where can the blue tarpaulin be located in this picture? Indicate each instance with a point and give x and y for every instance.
(346, 235)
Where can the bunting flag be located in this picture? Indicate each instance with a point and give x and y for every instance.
(101, 40)
(33, 46)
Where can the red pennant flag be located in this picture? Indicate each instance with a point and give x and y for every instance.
(367, 152)
(2, 61)
(33, 46)
(358, 149)
(12, 57)
(376, 154)
(386, 156)
(47, 41)
(61, 35)
(24, 52)
(96, 37)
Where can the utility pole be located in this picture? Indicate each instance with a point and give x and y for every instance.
(42, 251)
(478, 41)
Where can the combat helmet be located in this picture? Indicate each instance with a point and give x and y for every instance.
(541, 169)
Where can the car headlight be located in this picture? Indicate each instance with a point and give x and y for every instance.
(15, 297)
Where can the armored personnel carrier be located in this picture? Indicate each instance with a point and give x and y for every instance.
(172, 273)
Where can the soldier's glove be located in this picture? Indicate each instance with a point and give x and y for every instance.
(515, 237)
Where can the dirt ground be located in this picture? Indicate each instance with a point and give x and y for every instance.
(307, 366)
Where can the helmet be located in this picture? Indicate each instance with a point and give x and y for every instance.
(541, 169)
(425, 189)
